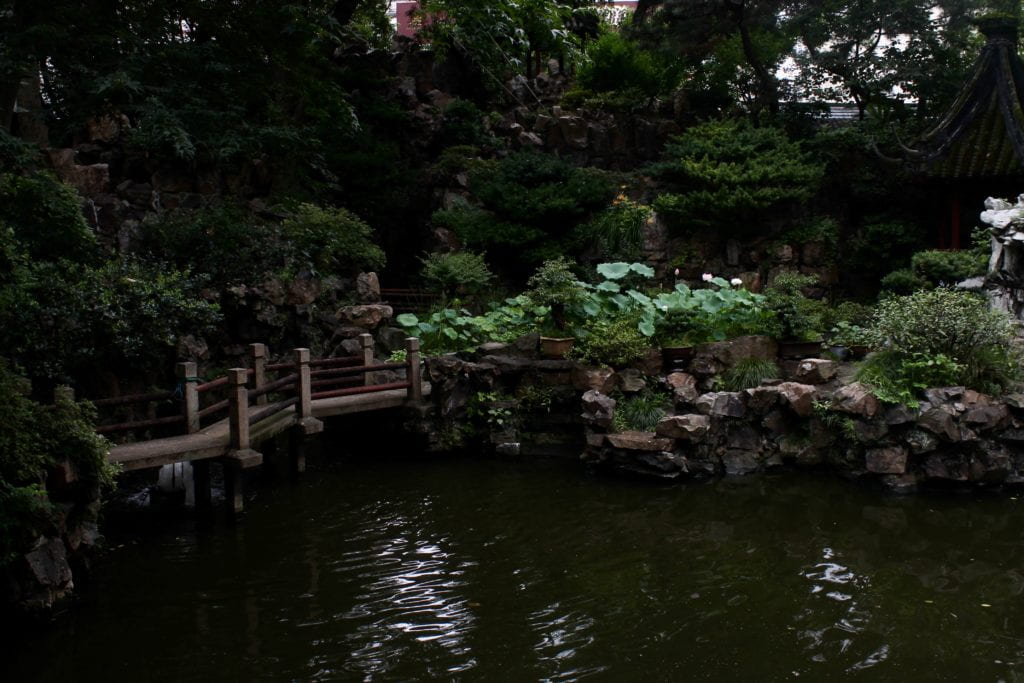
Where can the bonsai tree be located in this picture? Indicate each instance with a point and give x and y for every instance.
(555, 285)
(456, 273)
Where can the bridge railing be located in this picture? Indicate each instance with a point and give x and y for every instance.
(295, 382)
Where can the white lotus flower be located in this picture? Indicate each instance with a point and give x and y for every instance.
(707, 277)
(735, 282)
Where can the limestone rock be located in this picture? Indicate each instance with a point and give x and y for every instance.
(586, 378)
(368, 288)
(816, 371)
(721, 404)
(988, 417)
(639, 441)
(941, 423)
(920, 441)
(799, 397)
(303, 291)
(855, 399)
(888, 460)
(739, 462)
(692, 428)
(761, 400)
(630, 381)
(598, 409)
(727, 354)
(368, 316)
(684, 387)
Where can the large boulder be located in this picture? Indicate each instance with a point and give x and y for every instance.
(598, 409)
(368, 288)
(630, 381)
(684, 387)
(639, 441)
(692, 428)
(799, 397)
(855, 399)
(729, 353)
(585, 378)
(941, 423)
(721, 404)
(816, 371)
(368, 316)
(888, 460)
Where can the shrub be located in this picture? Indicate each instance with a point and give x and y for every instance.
(880, 246)
(33, 438)
(954, 324)
(903, 281)
(731, 175)
(798, 317)
(948, 267)
(463, 124)
(461, 271)
(900, 378)
(618, 231)
(610, 341)
(749, 373)
(64, 319)
(615, 63)
(46, 217)
(221, 241)
(331, 241)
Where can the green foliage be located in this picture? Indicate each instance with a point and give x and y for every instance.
(33, 439)
(462, 271)
(881, 246)
(220, 241)
(463, 124)
(530, 204)
(331, 241)
(555, 284)
(46, 217)
(903, 281)
(493, 409)
(694, 316)
(161, 133)
(953, 324)
(948, 267)
(749, 373)
(640, 412)
(61, 319)
(732, 176)
(619, 73)
(799, 317)
(618, 230)
(896, 377)
(615, 342)
(455, 330)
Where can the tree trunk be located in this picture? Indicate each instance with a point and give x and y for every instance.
(767, 87)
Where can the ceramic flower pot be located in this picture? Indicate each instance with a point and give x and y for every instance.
(556, 347)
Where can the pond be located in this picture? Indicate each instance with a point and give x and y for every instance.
(405, 568)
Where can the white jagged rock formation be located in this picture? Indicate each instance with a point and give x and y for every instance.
(1005, 281)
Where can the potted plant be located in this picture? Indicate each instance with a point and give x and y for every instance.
(848, 340)
(798, 319)
(555, 286)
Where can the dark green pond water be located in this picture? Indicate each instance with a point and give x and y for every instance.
(401, 569)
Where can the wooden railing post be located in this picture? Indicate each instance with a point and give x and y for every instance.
(189, 395)
(258, 359)
(240, 456)
(238, 408)
(412, 359)
(366, 341)
(303, 384)
(306, 424)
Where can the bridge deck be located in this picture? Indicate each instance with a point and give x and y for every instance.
(214, 441)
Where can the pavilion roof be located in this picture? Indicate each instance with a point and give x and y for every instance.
(982, 134)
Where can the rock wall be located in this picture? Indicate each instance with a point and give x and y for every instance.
(814, 416)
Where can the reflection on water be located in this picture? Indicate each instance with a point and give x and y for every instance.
(416, 570)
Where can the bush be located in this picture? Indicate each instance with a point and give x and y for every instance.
(46, 217)
(64, 319)
(903, 281)
(33, 438)
(618, 231)
(528, 201)
(331, 241)
(462, 271)
(957, 325)
(948, 267)
(221, 241)
(615, 342)
(900, 378)
(463, 124)
(798, 317)
(615, 63)
(730, 175)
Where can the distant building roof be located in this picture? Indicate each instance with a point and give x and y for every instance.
(982, 134)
